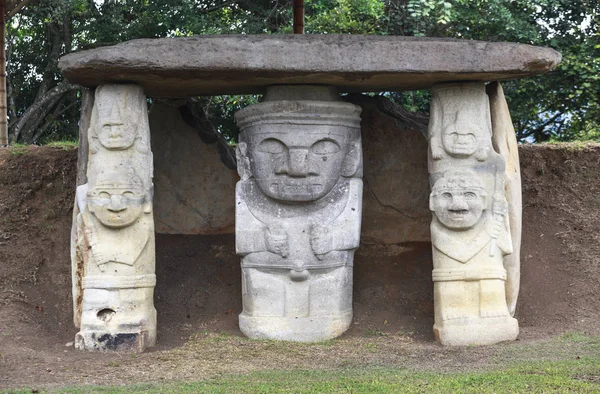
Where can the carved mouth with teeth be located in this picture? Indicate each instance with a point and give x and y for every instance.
(458, 214)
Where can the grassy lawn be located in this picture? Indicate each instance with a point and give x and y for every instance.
(581, 376)
(567, 363)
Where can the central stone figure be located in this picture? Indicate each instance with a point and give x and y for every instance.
(298, 213)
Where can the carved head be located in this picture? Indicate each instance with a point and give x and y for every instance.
(458, 199)
(464, 136)
(116, 121)
(118, 199)
(299, 153)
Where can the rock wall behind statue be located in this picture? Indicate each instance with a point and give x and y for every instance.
(194, 191)
(396, 185)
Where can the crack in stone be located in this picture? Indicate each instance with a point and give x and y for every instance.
(366, 182)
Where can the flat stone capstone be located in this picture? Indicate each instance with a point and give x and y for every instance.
(246, 64)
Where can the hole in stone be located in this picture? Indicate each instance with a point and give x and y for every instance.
(105, 314)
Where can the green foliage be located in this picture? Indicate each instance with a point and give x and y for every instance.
(562, 105)
(221, 109)
(344, 16)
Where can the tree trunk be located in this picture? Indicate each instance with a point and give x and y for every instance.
(3, 125)
(25, 128)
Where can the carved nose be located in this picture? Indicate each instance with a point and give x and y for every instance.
(115, 130)
(459, 204)
(298, 163)
(116, 204)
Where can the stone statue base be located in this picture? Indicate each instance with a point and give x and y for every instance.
(117, 320)
(296, 305)
(135, 342)
(300, 329)
(476, 331)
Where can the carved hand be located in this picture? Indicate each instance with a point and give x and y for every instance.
(321, 240)
(499, 208)
(276, 241)
(482, 154)
(436, 152)
(100, 256)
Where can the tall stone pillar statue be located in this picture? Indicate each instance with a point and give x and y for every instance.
(113, 238)
(470, 230)
(298, 213)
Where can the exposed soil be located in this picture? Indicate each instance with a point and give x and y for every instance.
(198, 295)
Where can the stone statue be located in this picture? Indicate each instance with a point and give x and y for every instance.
(114, 228)
(118, 208)
(458, 127)
(119, 119)
(470, 231)
(298, 213)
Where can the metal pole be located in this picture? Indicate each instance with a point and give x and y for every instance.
(298, 16)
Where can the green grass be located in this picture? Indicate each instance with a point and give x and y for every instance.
(18, 149)
(582, 376)
(21, 149)
(64, 145)
(566, 363)
(578, 337)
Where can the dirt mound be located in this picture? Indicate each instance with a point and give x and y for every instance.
(560, 274)
(198, 277)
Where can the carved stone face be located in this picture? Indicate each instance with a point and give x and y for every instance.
(461, 139)
(116, 202)
(458, 201)
(115, 129)
(297, 166)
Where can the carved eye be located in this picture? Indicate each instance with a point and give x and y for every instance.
(470, 195)
(272, 145)
(104, 195)
(446, 196)
(325, 147)
(128, 195)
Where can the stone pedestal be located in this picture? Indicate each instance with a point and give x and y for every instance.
(113, 237)
(298, 213)
(470, 231)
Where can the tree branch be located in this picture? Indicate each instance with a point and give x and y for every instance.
(59, 109)
(17, 8)
(41, 106)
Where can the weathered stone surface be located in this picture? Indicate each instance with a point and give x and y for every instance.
(470, 230)
(298, 213)
(504, 141)
(396, 195)
(194, 192)
(113, 248)
(87, 105)
(233, 64)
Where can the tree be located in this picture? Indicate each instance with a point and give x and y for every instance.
(40, 103)
(560, 105)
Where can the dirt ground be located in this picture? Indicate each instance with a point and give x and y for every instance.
(198, 293)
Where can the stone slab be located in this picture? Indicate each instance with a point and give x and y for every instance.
(245, 64)
(504, 141)
(194, 192)
(396, 182)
